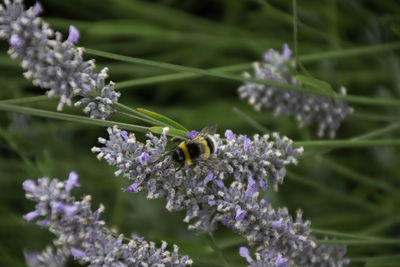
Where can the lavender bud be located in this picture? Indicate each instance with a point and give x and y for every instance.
(73, 35)
(80, 232)
(53, 64)
(308, 109)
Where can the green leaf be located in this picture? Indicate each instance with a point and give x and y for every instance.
(167, 121)
(172, 132)
(70, 117)
(290, 68)
(312, 84)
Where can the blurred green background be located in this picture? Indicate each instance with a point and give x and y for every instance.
(206, 34)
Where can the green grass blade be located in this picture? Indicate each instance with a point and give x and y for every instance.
(174, 67)
(348, 143)
(352, 242)
(69, 117)
(26, 100)
(177, 76)
(316, 84)
(376, 258)
(172, 132)
(351, 52)
(341, 234)
(171, 123)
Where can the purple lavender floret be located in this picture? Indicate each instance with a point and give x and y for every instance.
(80, 232)
(230, 195)
(54, 64)
(263, 260)
(49, 257)
(308, 109)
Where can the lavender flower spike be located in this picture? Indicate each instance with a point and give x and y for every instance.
(308, 109)
(54, 64)
(83, 235)
(202, 191)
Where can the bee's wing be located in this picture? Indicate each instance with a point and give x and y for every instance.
(209, 129)
(214, 163)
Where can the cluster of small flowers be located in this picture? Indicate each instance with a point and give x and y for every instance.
(307, 109)
(82, 234)
(263, 260)
(229, 195)
(53, 64)
(47, 258)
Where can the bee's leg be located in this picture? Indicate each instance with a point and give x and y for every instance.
(180, 167)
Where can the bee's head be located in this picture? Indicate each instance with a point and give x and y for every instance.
(178, 155)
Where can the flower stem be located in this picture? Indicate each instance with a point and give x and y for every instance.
(218, 249)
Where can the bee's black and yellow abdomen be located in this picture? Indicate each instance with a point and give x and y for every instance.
(183, 147)
(199, 148)
(210, 144)
(194, 150)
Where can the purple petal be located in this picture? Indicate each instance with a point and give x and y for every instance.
(192, 134)
(269, 55)
(124, 135)
(74, 35)
(277, 224)
(132, 188)
(219, 183)
(77, 253)
(246, 142)
(264, 185)
(70, 210)
(28, 185)
(209, 177)
(143, 158)
(211, 202)
(139, 239)
(31, 215)
(244, 252)
(31, 258)
(15, 41)
(225, 222)
(58, 206)
(252, 187)
(72, 181)
(37, 9)
(281, 261)
(266, 202)
(229, 135)
(286, 52)
(240, 214)
(42, 223)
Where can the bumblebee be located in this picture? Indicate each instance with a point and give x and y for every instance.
(199, 149)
